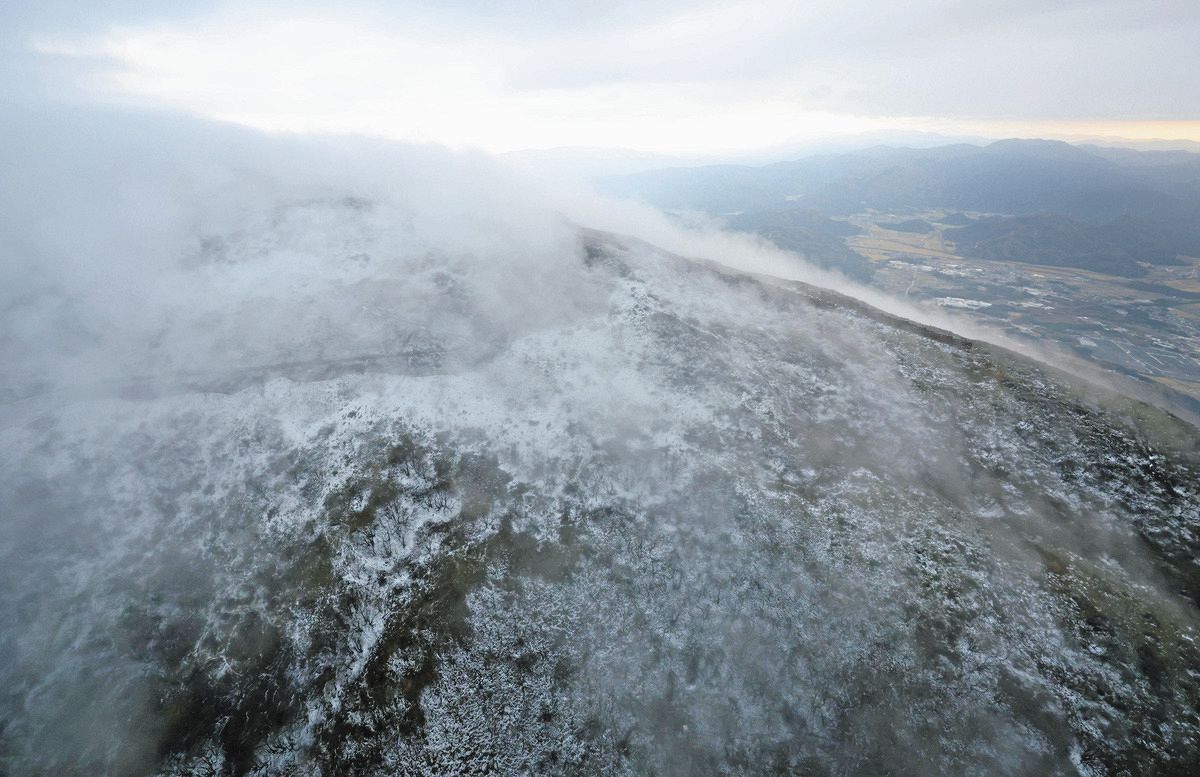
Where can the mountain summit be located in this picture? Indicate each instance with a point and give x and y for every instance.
(704, 522)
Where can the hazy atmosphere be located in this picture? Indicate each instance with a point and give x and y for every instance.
(615, 388)
(669, 77)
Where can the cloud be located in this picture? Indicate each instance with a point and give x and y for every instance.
(680, 77)
(1073, 60)
(150, 248)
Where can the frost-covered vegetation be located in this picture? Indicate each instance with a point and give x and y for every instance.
(698, 523)
(423, 480)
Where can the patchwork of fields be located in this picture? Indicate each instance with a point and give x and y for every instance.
(1147, 327)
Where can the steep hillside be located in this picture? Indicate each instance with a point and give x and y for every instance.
(695, 522)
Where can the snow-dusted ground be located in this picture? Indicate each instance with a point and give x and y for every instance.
(675, 521)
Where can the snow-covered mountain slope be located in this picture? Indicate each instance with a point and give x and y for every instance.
(616, 513)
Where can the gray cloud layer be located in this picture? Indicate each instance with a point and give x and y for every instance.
(1012, 59)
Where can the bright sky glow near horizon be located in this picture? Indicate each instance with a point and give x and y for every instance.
(668, 78)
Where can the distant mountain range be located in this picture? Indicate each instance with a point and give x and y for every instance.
(1107, 209)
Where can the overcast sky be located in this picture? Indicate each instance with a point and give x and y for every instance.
(665, 77)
